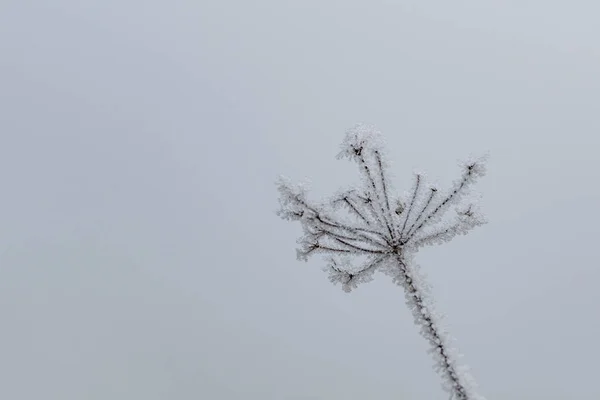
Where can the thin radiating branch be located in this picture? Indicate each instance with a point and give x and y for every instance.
(351, 279)
(432, 193)
(368, 201)
(317, 232)
(361, 232)
(376, 194)
(309, 248)
(353, 208)
(315, 215)
(359, 248)
(374, 264)
(384, 186)
(413, 199)
(466, 221)
(442, 236)
(453, 194)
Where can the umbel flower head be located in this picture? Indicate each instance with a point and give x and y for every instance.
(376, 224)
(367, 229)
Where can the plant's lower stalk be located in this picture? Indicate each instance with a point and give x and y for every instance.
(430, 330)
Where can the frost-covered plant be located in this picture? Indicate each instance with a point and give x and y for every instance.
(384, 232)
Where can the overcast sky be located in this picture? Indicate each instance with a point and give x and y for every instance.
(140, 256)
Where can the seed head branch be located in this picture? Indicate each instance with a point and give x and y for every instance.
(413, 199)
(368, 202)
(422, 213)
(471, 173)
(377, 195)
(349, 202)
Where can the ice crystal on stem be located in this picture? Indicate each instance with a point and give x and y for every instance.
(382, 232)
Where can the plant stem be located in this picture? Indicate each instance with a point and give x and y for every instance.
(430, 330)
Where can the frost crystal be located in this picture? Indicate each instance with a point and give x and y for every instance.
(383, 232)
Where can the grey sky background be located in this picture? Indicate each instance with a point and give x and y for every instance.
(140, 257)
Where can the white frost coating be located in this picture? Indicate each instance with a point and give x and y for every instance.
(361, 136)
(382, 232)
(456, 379)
